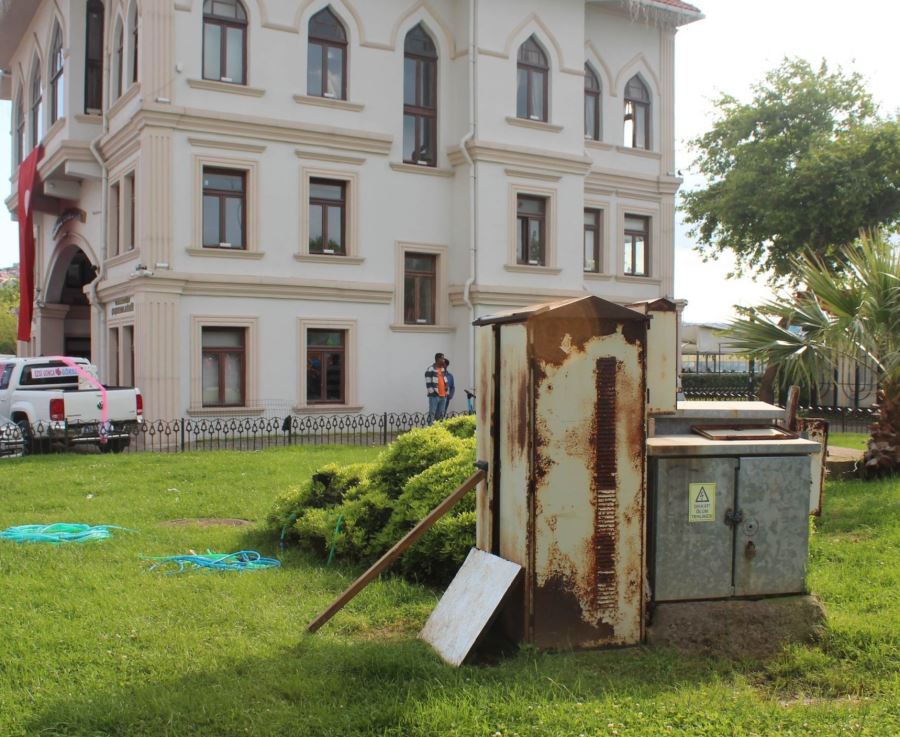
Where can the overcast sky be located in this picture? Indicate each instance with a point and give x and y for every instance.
(730, 49)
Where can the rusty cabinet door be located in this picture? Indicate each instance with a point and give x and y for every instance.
(693, 543)
(772, 537)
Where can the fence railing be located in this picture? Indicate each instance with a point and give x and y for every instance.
(843, 419)
(214, 433)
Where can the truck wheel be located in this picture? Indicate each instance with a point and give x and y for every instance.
(27, 437)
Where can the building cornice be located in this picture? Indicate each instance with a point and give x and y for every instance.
(609, 182)
(523, 157)
(488, 294)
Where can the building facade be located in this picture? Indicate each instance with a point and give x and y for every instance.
(248, 204)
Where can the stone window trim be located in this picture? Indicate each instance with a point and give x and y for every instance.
(351, 215)
(607, 237)
(122, 214)
(652, 257)
(442, 289)
(250, 169)
(550, 228)
(251, 363)
(351, 363)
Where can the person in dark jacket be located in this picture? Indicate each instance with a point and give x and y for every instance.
(451, 389)
(435, 388)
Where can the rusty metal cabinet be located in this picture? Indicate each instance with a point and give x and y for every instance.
(755, 543)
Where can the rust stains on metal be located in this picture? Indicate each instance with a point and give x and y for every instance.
(562, 625)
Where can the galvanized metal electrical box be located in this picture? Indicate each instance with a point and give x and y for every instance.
(562, 408)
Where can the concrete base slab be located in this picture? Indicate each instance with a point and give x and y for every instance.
(737, 628)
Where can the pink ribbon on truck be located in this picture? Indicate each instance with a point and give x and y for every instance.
(104, 407)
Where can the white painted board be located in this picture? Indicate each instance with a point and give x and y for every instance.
(468, 605)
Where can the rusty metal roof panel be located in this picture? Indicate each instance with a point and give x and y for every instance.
(590, 307)
(660, 304)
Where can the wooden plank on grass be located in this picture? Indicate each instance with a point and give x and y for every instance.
(395, 552)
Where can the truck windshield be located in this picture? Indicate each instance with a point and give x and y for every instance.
(54, 373)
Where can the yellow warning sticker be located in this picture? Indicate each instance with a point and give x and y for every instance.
(701, 502)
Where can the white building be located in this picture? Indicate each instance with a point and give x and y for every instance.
(265, 231)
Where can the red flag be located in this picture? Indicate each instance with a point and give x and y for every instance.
(28, 179)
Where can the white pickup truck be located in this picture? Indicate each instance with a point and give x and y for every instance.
(54, 402)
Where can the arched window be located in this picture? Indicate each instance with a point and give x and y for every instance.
(93, 57)
(533, 77)
(19, 127)
(57, 94)
(637, 114)
(326, 56)
(37, 103)
(419, 98)
(118, 62)
(133, 37)
(591, 104)
(225, 41)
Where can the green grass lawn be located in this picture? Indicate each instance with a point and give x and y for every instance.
(855, 440)
(92, 643)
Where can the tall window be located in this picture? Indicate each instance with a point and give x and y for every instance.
(225, 41)
(115, 218)
(419, 98)
(326, 56)
(591, 104)
(118, 61)
(224, 366)
(133, 34)
(419, 288)
(533, 75)
(592, 221)
(531, 235)
(637, 245)
(325, 366)
(37, 103)
(19, 126)
(93, 57)
(57, 93)
(128, 196)
(224, 208)
(327, 216)
(637, 114)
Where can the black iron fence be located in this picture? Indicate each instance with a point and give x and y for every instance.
(843, 419)
(213, 433)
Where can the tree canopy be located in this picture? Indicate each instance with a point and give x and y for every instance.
(803, 166)
(9, 303)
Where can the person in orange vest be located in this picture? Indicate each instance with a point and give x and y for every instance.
(436, 388)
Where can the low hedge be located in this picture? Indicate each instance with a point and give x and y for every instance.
(363, 509)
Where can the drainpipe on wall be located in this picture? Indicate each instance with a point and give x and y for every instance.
(473, 184)
(103, 360)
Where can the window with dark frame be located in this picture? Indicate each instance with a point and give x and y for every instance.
(419, 288)
(592, 240)
(57, 92)
(37, 104)
(93, 57)
(130, 211)
(225, 41)
(115, 218)
(637, 245)
(133, 27)
(223, 366)
(224, 208)
(118, 62)
(19, 144)
(637, 114)
(327, 217)
(533, 74)
(591, 104)
(326, 56)
(326, 366)
(419, 98)
(531, 238)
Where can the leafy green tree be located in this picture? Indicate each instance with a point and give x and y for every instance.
(9, 303)
(853, 313)
(803, 166)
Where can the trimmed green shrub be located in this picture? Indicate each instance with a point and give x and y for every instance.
(378, 503)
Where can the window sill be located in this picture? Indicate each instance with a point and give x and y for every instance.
(539, 125)
(123, 99)
(599, 145)
(324, 409)
(328, 258)
(122, 258)
(329, 102)
(422, 169)
(532, 269)
(638, 279)
(598, 276)
(226, 411)
(89, 118)
(235, 89)
(638, 152)
(405, 328)
(224, 253)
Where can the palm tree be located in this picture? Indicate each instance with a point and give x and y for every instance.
(854, 313)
